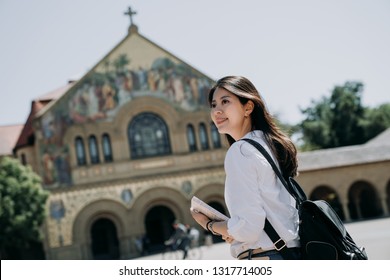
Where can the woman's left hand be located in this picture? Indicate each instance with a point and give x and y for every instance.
(200, 218)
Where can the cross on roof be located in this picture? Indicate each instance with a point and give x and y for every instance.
(130, 13)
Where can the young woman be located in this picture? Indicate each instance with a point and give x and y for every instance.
(252, 190)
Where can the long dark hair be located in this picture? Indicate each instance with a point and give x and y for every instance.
(281, 145)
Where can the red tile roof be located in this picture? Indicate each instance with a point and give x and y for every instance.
(26, 137)
(9, 134)
(57, 93)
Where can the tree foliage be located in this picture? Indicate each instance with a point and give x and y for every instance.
(22, 206)
(341, 119)
(376, 120)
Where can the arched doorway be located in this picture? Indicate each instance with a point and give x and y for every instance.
(158, 225)
(363, 201)
(329, 195)
(218, 206)
(105, 244)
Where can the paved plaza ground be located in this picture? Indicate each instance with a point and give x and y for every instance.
(374, 235)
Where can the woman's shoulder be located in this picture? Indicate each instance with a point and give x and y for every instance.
(243, 148)
(256, 135)
(244, 156)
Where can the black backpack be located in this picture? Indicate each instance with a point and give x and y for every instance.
(323, 235)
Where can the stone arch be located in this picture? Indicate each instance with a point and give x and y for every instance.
(151, 104)
(364, 201)
(146, 104)
(105, 209)
(212, 194)
(327, 193)
(158, 226)
(172, 205)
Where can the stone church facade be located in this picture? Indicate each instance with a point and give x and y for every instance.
(123, 150)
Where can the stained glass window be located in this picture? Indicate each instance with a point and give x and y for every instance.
(204, 141)
(107, 151)
(93, 149)
(80, 151)
(148, 136)
(215, 136)
(191, 138)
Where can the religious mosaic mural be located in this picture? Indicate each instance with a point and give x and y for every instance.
(100, 95)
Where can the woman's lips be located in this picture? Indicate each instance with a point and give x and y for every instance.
(219, 121)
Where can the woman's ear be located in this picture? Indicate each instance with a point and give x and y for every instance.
(249, 106)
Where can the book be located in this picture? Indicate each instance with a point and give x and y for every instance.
(202, 207)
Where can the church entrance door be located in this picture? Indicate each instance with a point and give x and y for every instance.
(105, 245)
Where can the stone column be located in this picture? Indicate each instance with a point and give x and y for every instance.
(125, 248)
(384, 205)
(344, 204)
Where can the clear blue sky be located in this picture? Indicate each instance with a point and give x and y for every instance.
(293, 51)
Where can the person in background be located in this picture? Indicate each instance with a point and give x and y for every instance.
(252, 190)
(193, 234)
(179, 239)
(145, 244)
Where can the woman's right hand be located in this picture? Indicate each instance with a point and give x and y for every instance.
(228, 239)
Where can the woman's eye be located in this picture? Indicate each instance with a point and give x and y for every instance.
(225, 101)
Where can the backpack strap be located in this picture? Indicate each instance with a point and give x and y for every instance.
(279, 244)
(291, 185)
(261, 149)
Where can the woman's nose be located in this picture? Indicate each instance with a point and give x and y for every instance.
(217, 110)
(215, 113)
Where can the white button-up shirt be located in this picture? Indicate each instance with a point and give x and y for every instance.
(253, 192)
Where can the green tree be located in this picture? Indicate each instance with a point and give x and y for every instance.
(341, 119)
(22, 207)
(346, 113)
(376, 120)
(315, 129)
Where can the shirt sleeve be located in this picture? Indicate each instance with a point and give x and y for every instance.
(245, 171)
